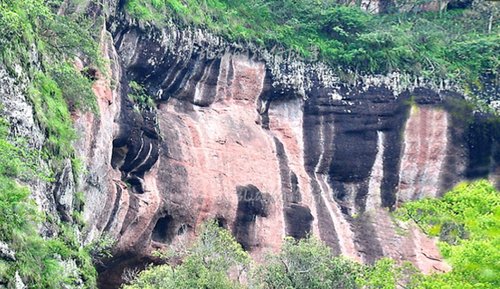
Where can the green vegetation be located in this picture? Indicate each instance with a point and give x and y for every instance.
(459, 45)
(40, 262)
(140, 97)
(101, 248)
(32, 33)
(76, 88)
(38, 46)
(467, 220)
(307, 263)
(216, 260)
(204, 265)
(53, 115)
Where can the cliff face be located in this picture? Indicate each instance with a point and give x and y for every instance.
(268, 146)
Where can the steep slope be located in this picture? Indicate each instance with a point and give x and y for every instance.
(271, 147)
(268, 145)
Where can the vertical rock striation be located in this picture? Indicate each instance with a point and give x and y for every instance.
(269, 147)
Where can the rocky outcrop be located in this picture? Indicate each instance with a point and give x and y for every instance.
(267, 145)
(25, 132)
(6, 252)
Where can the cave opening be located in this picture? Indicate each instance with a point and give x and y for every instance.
(298, 221)
(118, 156)
(459, 4)
(163, 231)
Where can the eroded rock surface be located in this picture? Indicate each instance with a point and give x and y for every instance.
(270, 158)
(267, 145)
(266, 154)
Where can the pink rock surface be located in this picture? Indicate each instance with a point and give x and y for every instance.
(228, 153)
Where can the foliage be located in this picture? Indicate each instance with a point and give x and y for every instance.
(39, 44)
(140, 97)
(39, 261)
(205, 265)
(455, 44)
(16, 160)
(101, 248)
(467, 221)
(306, 263)
(31, 29)
(43, 43)
(387, 274)
(78, 167)
(53, 115)
(75, 87)
(16, 211)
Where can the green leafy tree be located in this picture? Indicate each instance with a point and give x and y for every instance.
(206, 264)
(467, 221)
(306, 263)
(387, 274)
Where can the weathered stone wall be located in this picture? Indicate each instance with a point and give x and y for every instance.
(265, 143)
(271, 146)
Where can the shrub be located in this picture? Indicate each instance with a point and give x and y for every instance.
(306, 263)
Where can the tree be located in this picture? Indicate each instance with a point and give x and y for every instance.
(205, 265)
(387, 274)
(306, 263)
(466, 220)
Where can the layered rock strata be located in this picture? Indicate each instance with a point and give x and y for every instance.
(267, 145)
(268, 155)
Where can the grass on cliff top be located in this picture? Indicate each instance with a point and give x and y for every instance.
(452, 44)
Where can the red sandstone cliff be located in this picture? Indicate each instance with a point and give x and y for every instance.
(267, 145)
